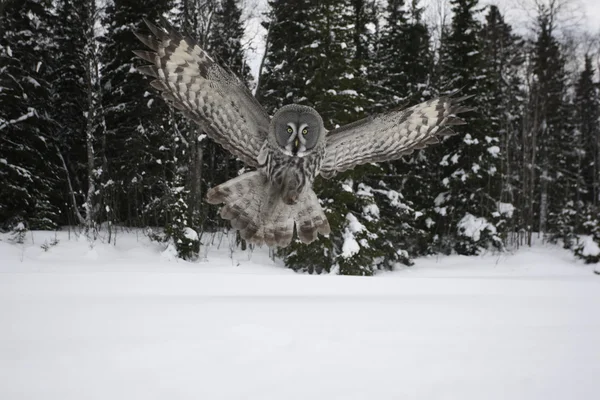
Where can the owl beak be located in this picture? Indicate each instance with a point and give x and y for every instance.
(296, 145)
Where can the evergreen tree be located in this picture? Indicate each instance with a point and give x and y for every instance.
(198, 162)
(552, 127)
(312, 59)
(587, 103)
(403, 71)
(587, 122)
(225, 44)
(468, 196)
(137, 120)
(182, 204)
(281, 82)
(30, 190)
(502, 100)
(77, 105)
(404, 57)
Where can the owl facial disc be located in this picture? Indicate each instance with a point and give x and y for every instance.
(297, 129)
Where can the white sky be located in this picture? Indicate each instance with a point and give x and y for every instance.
(584, 16)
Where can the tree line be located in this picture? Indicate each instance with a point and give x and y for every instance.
(84, 139)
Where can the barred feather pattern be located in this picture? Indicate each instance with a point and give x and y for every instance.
(266, 204)
(253, 207)
(391, 135)
(204, 91)
(291, 175)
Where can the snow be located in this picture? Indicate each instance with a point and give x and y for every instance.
(92, 320)
(395, 199)
(589, 247)
(347, 186)
(494, 151)
(468, 139)
(472, 226)
(350, 246)
(353, 224)
(349, 92)
(30, 113)
(506, 209)
(190, 234)
(441, 198)
(371, 212)
(34, 82)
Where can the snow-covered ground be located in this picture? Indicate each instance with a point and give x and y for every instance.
(130, 322)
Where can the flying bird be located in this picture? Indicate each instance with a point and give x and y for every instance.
(287, 151)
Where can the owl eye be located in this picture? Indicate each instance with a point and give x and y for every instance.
(304, 131)
(290, 130)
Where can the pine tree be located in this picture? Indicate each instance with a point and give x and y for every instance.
(587, 103)
(137, 119)
(468, 196)
(281, 82)
(199, 163)
(182, 205)
(404, 56)
(313, 59)
(587, 121)
(403, 65)
(30, 189)
(552, 127)
(225, 44)
(77, 105)
(503, 104)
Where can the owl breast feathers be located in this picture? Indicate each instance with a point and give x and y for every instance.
(289, 150)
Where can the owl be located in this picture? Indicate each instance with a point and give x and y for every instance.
(288, 151)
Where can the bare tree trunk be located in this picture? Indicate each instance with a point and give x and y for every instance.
(92, 76)
(80, 218)
(532, 170)
(543, 201)
(197, 20)
(596, 178)
(257, 93)
(90, 203)
(196, 159)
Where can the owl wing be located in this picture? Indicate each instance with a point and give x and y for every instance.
(391, 135)
(207, 93)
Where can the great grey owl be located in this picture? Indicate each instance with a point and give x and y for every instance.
(287, 151)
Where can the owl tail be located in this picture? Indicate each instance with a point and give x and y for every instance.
(256, 209)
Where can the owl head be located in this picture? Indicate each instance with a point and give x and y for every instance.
(296, 130)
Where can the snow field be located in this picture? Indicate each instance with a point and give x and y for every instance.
(131, 322)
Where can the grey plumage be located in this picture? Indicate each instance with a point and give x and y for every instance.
(288, 150)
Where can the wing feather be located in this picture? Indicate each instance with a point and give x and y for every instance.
(207, 93)
(391, 135)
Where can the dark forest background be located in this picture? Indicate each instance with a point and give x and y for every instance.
(85, 141)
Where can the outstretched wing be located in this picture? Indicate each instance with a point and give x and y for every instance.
(206, 92)
(391, 135)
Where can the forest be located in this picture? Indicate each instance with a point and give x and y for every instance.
(86, 142)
